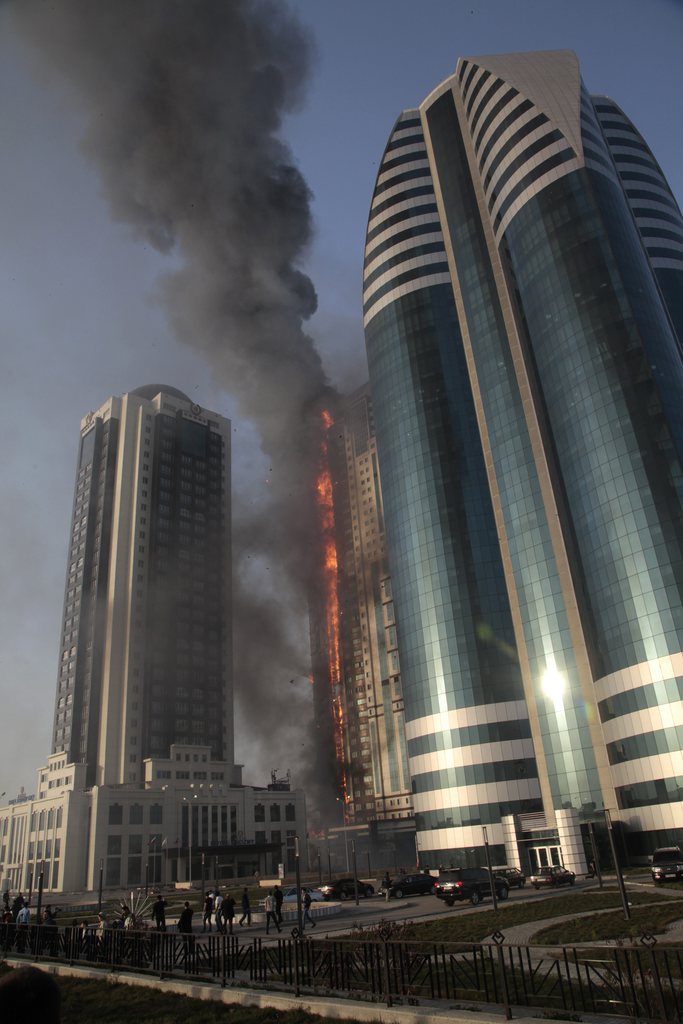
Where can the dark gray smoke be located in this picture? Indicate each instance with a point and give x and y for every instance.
(184, 101)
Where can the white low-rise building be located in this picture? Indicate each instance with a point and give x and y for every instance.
(189, 819)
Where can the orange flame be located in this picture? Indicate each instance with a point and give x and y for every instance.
(327, 523)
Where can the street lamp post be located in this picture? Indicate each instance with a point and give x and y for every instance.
(40, 892)
(594, 849)
(346, 842)
(297, 875)
(189, 836)
(355, 870)
(488, 865)
(620, 877)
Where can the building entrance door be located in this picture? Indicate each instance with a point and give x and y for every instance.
(543, 856)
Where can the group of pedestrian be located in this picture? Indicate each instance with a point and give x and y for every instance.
(16, 919)
(18, 911)
(218, 910)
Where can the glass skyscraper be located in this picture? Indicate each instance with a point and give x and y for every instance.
(522, 307)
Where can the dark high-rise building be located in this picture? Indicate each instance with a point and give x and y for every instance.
(146, 639)
(522, 289)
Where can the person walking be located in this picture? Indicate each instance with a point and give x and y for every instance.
(23, 922)
(185, 929)
(159, 913)
(185, 920)
(50, 929)
(208, 911)
(246, 908)
(277, 893)
(306, 901)
(217, 910)
(228, 913)
(17, 904)
(271, 912)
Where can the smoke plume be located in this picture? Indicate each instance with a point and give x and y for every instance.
(184, 100)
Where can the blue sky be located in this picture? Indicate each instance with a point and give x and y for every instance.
(78, 317)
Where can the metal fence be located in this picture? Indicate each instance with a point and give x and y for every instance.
(639, 982)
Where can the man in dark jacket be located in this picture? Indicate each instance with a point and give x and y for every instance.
(208, 911)
(228, 912)
(185, 920)
(159, 913)
(185, 929)
(277, 895)
(246, 907)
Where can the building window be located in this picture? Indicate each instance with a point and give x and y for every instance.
(274, 812)
(115, 814)
(156, 814)
(259, 812)
(290, 812)
(135, 814)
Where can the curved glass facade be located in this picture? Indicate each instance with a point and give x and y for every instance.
(545, 373)
(459, 663)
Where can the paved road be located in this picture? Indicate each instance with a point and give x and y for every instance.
(424, 908)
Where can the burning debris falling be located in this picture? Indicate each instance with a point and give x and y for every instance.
(183, 101)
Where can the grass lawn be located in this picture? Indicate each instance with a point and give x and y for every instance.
(463, 927)
(85, 1001)
(610, 926)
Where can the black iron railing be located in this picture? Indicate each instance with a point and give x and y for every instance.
(642, 981)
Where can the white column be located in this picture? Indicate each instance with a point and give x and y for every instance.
(512, 857)
(571, 843)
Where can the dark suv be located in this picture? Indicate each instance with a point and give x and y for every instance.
(409, 885)
(473, 884)
(513, 877)
(344, 889)
(667, 863)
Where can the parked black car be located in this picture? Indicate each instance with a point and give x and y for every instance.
(343, 889)
(667, 863)
(473, 884)
(513, 876)
(410, 885)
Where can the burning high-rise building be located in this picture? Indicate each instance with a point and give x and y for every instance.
(356, 673)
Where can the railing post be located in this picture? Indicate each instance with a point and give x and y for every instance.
(297, 987)
(649, 941)
(387, 977)
(499, 939)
